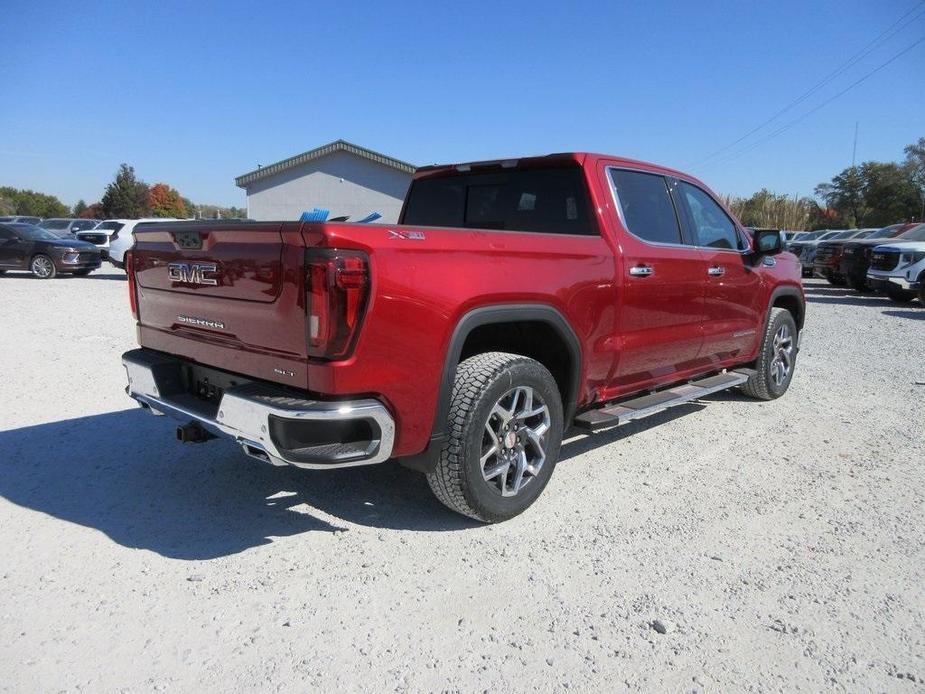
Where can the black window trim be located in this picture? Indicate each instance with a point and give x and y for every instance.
(687, 237)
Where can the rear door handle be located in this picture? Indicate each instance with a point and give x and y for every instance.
(716, 271)
(641, 271)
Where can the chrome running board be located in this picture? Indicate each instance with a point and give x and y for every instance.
(617, 413)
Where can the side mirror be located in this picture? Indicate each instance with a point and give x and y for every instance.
(767, 242)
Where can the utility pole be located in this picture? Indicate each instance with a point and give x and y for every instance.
(854, 150)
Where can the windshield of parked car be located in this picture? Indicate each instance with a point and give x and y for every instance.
(56, 224)
(916, 233)
(110, 226)
(30, 232)
(842, 235)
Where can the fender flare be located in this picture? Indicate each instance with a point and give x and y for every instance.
(487, 315)
(788, 291)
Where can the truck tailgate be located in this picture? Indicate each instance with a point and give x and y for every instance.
(226, 295)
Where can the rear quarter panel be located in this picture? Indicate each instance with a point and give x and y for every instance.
(422, 288)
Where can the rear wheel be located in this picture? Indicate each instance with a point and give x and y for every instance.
(835, 280)
(898, 294)
(506, 426)
(43, 267)
(777, 358)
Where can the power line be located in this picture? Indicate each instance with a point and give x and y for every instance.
(885, 35)
(784, 128)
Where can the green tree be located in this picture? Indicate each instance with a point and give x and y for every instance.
(845, 194)
(79, 207)
(126, 197)
(872, 194)
(915, 162)
(28, 202)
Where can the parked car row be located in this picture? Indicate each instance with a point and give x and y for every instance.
(890, 260)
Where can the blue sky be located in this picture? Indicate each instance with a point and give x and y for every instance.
(194, 94)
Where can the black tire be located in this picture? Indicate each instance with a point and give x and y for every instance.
(857, 284)
(835, 280)
(482, 382)
(764, 384)
(898, 294)
(42, 267)
(921, 293)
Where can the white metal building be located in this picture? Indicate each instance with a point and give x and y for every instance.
(341, 177)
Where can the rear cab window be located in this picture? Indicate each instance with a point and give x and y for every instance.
(545, 200)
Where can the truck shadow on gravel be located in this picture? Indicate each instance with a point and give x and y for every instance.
(915, 314)
(124, 475)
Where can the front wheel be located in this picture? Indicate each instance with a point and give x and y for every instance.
(43, 267)
(776, 359)
(505, 429)
(898, 294)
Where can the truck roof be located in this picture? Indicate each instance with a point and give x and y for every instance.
(546, 160)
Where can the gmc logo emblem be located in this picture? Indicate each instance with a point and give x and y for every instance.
(193, 273)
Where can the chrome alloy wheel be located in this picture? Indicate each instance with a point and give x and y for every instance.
(514, 441)
(782, 360)
(42, 266)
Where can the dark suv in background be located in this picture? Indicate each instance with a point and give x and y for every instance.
(39, 251)
(827, 258)
(855, 256)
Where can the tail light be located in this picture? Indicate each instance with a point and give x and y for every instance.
(337, 289)
(130, 275)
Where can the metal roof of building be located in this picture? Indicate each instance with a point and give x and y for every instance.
(337, 146)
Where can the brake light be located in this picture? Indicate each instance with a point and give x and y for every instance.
(337, 289)
(130, 275)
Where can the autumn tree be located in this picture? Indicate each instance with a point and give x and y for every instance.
(94, 211)
(126, 197)
(165, 201)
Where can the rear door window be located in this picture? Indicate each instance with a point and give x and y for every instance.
(552, 201)
(711, 226)
(646, 206)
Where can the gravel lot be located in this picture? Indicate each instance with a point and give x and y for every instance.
(780, 545)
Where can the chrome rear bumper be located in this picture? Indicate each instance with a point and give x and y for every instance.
(268, 423)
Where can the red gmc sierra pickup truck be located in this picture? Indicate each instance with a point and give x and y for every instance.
(514, 300)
